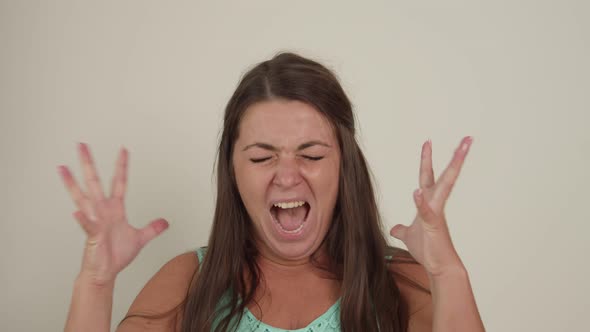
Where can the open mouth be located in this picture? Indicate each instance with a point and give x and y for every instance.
(290, 216)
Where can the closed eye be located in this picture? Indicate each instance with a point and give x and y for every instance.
(259, 160)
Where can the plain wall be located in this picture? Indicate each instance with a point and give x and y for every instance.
(154, 76)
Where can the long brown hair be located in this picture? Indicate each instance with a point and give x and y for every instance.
(355, 244)
(356, 247)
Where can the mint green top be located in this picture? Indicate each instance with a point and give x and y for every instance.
(329, 321)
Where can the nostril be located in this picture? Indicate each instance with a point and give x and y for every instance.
(287, 180)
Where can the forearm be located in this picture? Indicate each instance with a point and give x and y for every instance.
(454, 304)
(90, 309)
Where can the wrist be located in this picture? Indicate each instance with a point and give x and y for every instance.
(451, 273)
(87, 279)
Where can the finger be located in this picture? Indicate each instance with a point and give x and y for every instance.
(152, 230)
(71, 185)
(87, 225)
(424, 209)
(119, 185)
(446, 182)
(90, 175)
(426, 173)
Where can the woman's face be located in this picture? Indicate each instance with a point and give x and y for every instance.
(287, 161)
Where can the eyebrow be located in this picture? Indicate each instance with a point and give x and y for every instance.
(270, 147)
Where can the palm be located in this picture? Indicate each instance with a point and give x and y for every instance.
(112, 246)
(428, 238)
(112, 243)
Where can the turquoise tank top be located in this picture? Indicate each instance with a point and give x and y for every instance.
(329, 321)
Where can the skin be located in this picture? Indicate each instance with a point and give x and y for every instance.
(112, 243)
(428, 238)
(285, 135)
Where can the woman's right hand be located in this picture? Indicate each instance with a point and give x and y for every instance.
(112, 243)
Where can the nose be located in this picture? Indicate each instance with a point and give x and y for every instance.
(287, 173)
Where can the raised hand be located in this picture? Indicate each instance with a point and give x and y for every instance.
(428, 238)
(112, 243)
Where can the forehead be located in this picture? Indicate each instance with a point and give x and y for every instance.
(284, 123)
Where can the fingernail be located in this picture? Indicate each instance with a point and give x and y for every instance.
(466, 144)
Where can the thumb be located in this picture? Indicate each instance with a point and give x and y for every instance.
(399, 232)
(152, 230)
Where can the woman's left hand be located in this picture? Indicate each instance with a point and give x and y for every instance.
(428, 239)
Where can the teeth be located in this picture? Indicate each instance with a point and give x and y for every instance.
(289, 205)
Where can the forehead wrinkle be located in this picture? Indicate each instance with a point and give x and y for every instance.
(303, 146)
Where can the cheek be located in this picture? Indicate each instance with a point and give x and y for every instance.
(252, 187)
(325, 181)
(331, 186)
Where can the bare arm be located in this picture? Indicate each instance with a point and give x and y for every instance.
(112, 243)
(162, 298)
(450, 306)
(90, 308)
(429, 241)
(454, 304)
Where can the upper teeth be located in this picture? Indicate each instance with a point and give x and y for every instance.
(289, 205)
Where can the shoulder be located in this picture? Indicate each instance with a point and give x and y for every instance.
(414, 285)
(162, 296)
(169, 284)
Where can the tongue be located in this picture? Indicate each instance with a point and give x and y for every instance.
(291, 219)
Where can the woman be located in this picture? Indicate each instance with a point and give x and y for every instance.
(296, 242)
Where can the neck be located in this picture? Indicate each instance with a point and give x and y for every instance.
(316, 264)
